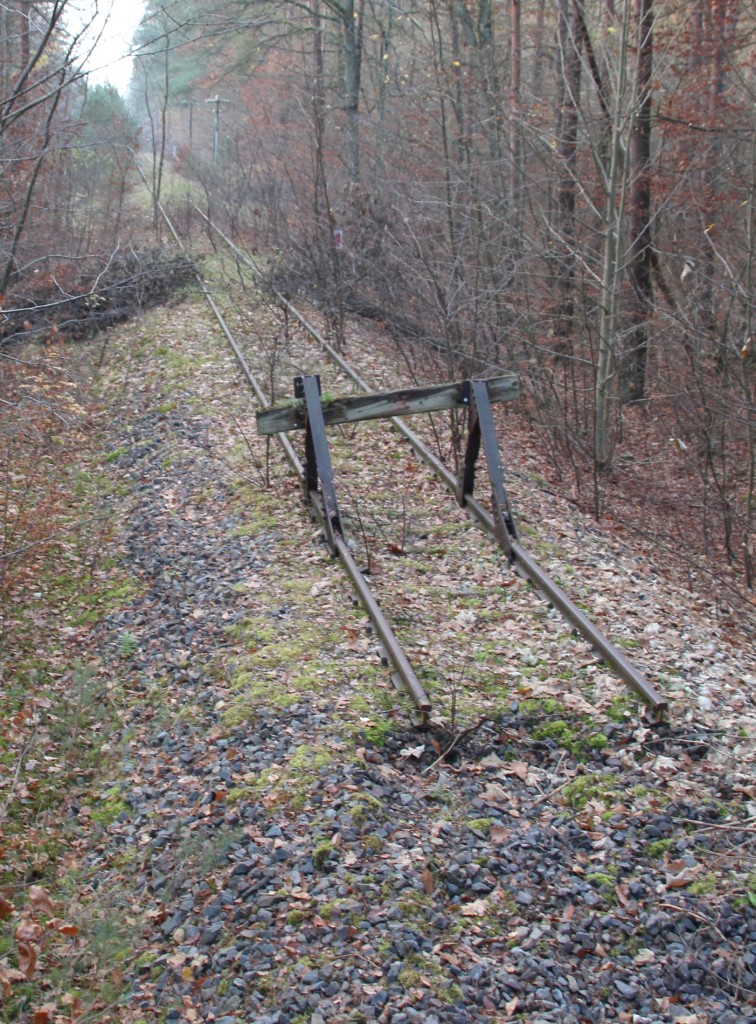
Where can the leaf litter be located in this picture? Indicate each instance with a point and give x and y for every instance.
(294, 850)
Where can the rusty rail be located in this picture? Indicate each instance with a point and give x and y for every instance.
(520, 558)
(404, 676)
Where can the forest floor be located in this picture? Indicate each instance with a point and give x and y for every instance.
(212, 805)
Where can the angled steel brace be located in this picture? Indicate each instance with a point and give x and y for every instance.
(320, 493)
(482, 429)
(502, 525)
(318, 477)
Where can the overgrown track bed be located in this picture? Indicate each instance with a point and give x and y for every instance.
(465, 619)
(298, 853)
(269, 842)
(448, 433)
(307, 857)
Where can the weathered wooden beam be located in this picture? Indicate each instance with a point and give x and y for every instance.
(391, 403)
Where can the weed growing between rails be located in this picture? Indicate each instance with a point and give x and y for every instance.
(251, 359)
(612, 653)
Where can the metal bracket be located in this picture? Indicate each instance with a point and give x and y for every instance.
(320, 492)
(318, 471)
(482, 429)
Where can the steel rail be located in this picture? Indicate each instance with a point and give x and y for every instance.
(524, 562)
(291, 455)
(392, 648)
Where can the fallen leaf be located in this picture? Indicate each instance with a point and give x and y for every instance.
(511, 1007)
(683, 878)
(518, 768)
(490, 761)
(429, 884)
(478, 908)
(644, 956)
(27, 959)
(493, 793)
(28, 931)
(44, 1014)
(498, 834)
(6, 908)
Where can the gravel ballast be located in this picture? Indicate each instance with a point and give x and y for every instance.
(310, 857)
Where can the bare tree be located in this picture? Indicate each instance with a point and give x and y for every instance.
(633, 370)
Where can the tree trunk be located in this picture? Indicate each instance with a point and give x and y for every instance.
(515, 130)
(633, 374)
(569, 37)
(611, 272)
(352, 20)
(24, 13)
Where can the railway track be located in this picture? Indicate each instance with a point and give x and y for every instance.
(448, 609)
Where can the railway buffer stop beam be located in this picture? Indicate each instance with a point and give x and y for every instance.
(313, 415)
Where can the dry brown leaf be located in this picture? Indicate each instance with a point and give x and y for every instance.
(511, 1007)
(478, 908)
(44, 1014)
(429, 883)
(494, 794)
(27, 959)
(41, 901)
(28, 931)
(492, 761)
(499, 833)
(683, 877)
(6, 908)
(518, 768)
(72, 1000)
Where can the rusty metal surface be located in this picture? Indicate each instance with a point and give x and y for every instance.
(322, 497)
(482, 429)
(393, 649)
(402, 402)
(521, 559)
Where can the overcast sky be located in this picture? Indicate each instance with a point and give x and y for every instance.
(107, 62)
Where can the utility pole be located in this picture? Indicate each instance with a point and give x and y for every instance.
(216, 133)
(191, 104)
